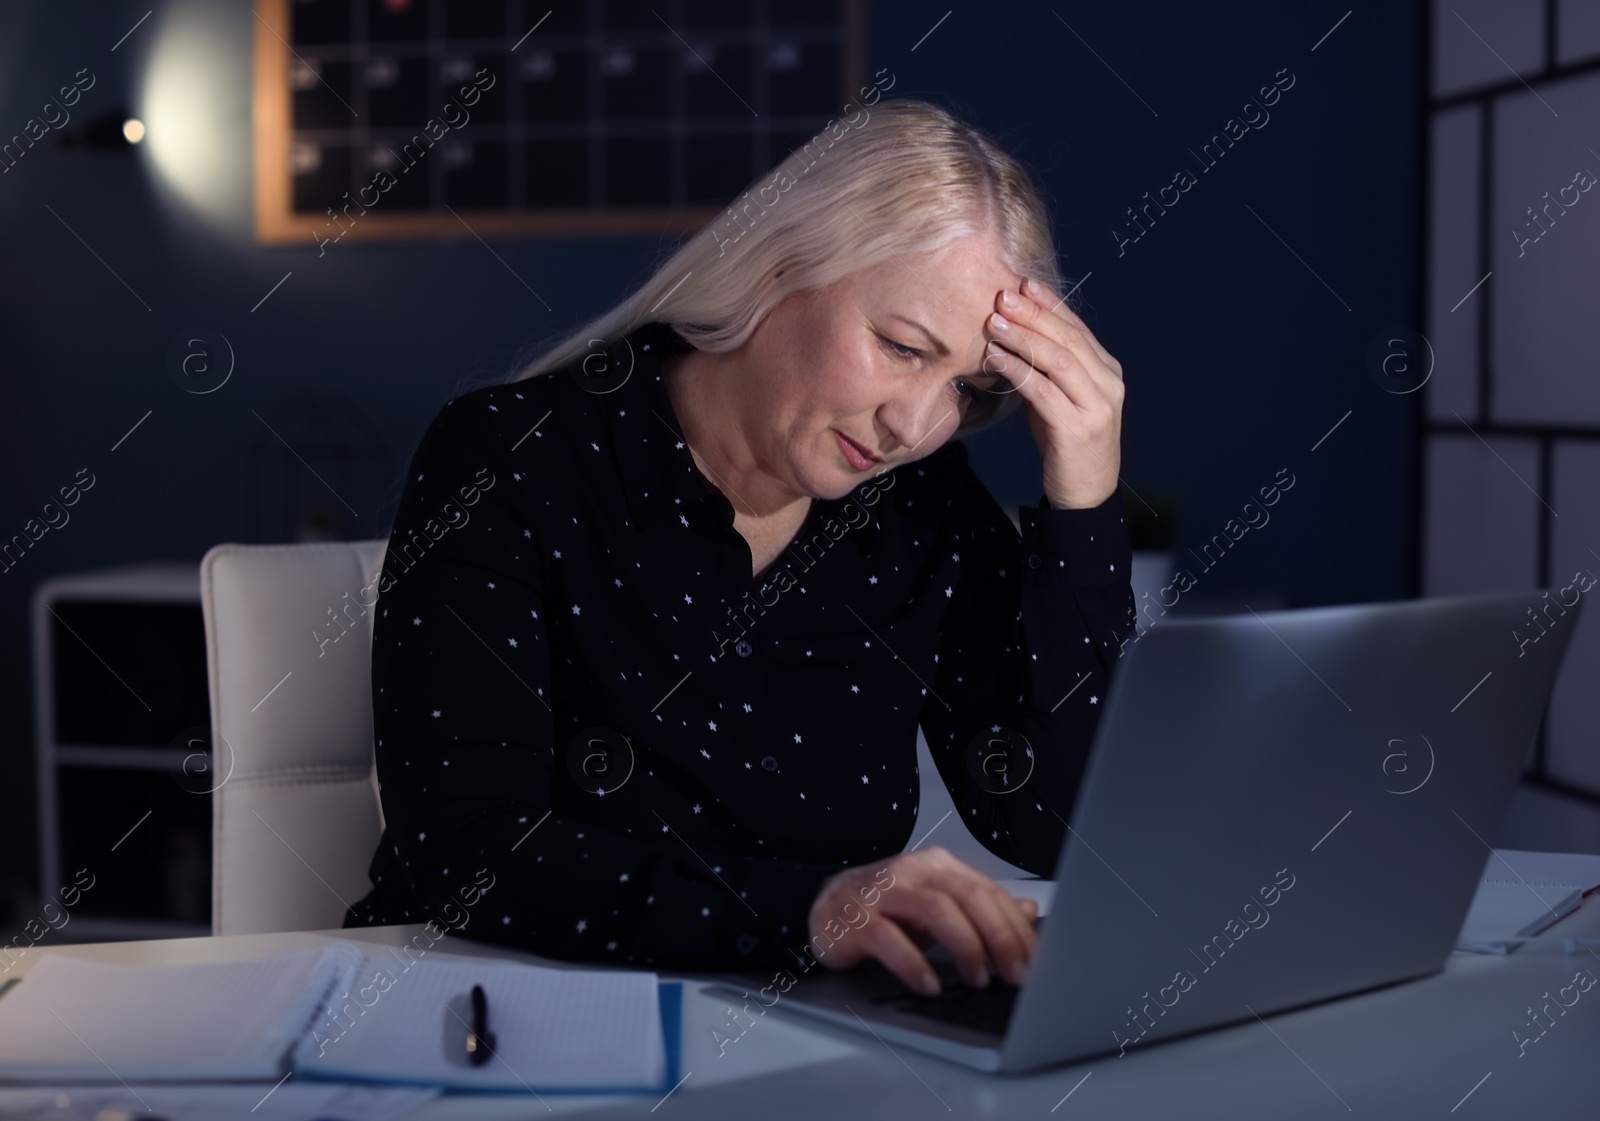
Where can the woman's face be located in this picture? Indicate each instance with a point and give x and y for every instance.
(849, 361)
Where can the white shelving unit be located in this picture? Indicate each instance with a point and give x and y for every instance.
(110, 795)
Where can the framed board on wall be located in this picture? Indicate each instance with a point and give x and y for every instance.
(389, 119)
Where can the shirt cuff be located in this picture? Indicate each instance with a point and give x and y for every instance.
(1076, 547)
(782, 897)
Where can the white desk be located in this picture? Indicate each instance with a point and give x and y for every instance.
(1409, 1051)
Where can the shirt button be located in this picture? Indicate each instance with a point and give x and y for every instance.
(743, 648)
(746, 943)
(769, 764)
(1034, 561)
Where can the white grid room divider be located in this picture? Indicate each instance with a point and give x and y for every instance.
(1511, 470)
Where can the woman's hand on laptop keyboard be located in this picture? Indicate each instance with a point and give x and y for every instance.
(894, 909)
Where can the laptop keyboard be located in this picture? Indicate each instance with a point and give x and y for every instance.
(986, 1010)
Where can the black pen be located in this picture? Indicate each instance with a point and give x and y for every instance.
(480, 1040)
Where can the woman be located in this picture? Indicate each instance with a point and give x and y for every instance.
(656, 635)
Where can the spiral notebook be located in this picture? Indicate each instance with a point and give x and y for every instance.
(1524, 894)
(338, 1013)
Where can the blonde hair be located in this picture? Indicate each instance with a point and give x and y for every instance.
(908, 179)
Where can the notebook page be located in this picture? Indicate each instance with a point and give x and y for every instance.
(556, 1029)
(1524, 893)
(88, 1021)
(1543, 869)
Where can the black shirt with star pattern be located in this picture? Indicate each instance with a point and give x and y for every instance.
(583, 700)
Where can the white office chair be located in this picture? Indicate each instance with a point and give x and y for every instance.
(295, 813)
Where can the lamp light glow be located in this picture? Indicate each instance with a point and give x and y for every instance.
(195, 104)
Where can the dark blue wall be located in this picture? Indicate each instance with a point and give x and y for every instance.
(1241, 350)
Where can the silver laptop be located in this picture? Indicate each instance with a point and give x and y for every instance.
(1278, 809)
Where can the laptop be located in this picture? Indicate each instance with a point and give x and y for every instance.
(1279, 808)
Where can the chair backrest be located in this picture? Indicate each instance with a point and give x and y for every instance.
(295, 813)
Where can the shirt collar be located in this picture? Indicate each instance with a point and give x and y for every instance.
(661, 482)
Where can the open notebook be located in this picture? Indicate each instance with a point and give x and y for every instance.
(337, 1013)
(1522, 895)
